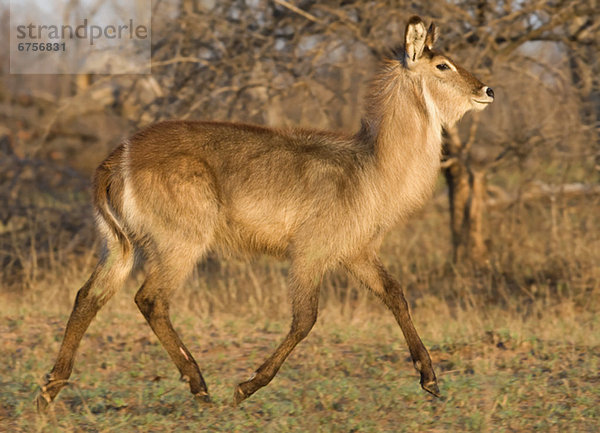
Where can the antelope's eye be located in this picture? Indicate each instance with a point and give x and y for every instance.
(442, 67)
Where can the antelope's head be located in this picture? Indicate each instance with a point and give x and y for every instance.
(448, 88)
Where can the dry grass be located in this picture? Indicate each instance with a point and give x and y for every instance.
(498, 372)
(516, 344)
(542, 255)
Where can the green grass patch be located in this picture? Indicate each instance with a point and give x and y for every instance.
(342, 378)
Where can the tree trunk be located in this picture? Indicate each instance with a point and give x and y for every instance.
(466, 193)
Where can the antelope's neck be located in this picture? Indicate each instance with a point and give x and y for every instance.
(406, 133)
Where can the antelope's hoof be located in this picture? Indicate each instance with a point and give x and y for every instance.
(239, 395)
(42, 401)
(203, 398)
(432, 388)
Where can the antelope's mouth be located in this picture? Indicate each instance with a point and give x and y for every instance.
(484, 97)
(481, 104)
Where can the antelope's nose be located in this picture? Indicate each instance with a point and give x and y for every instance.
(490, 92)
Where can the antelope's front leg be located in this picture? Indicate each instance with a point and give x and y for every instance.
(304, 292)
(370, 272)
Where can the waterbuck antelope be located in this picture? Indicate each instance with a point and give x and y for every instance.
(178, 189)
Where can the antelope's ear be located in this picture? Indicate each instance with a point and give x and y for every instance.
(414, 38)
(432, 35)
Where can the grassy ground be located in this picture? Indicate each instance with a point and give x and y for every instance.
(497, 373)
(516, 345)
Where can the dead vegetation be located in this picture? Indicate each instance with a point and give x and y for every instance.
(523, 175)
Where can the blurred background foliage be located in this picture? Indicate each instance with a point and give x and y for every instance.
(515, 215)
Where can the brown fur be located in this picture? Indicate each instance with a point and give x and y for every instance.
(180, 188)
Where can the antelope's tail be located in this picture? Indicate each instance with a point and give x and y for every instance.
(105, 186)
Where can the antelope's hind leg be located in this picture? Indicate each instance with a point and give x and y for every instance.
(110, 274)
(152, 299)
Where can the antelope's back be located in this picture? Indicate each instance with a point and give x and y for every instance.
(253, 187)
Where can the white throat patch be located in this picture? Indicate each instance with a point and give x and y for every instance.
(432, 109)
